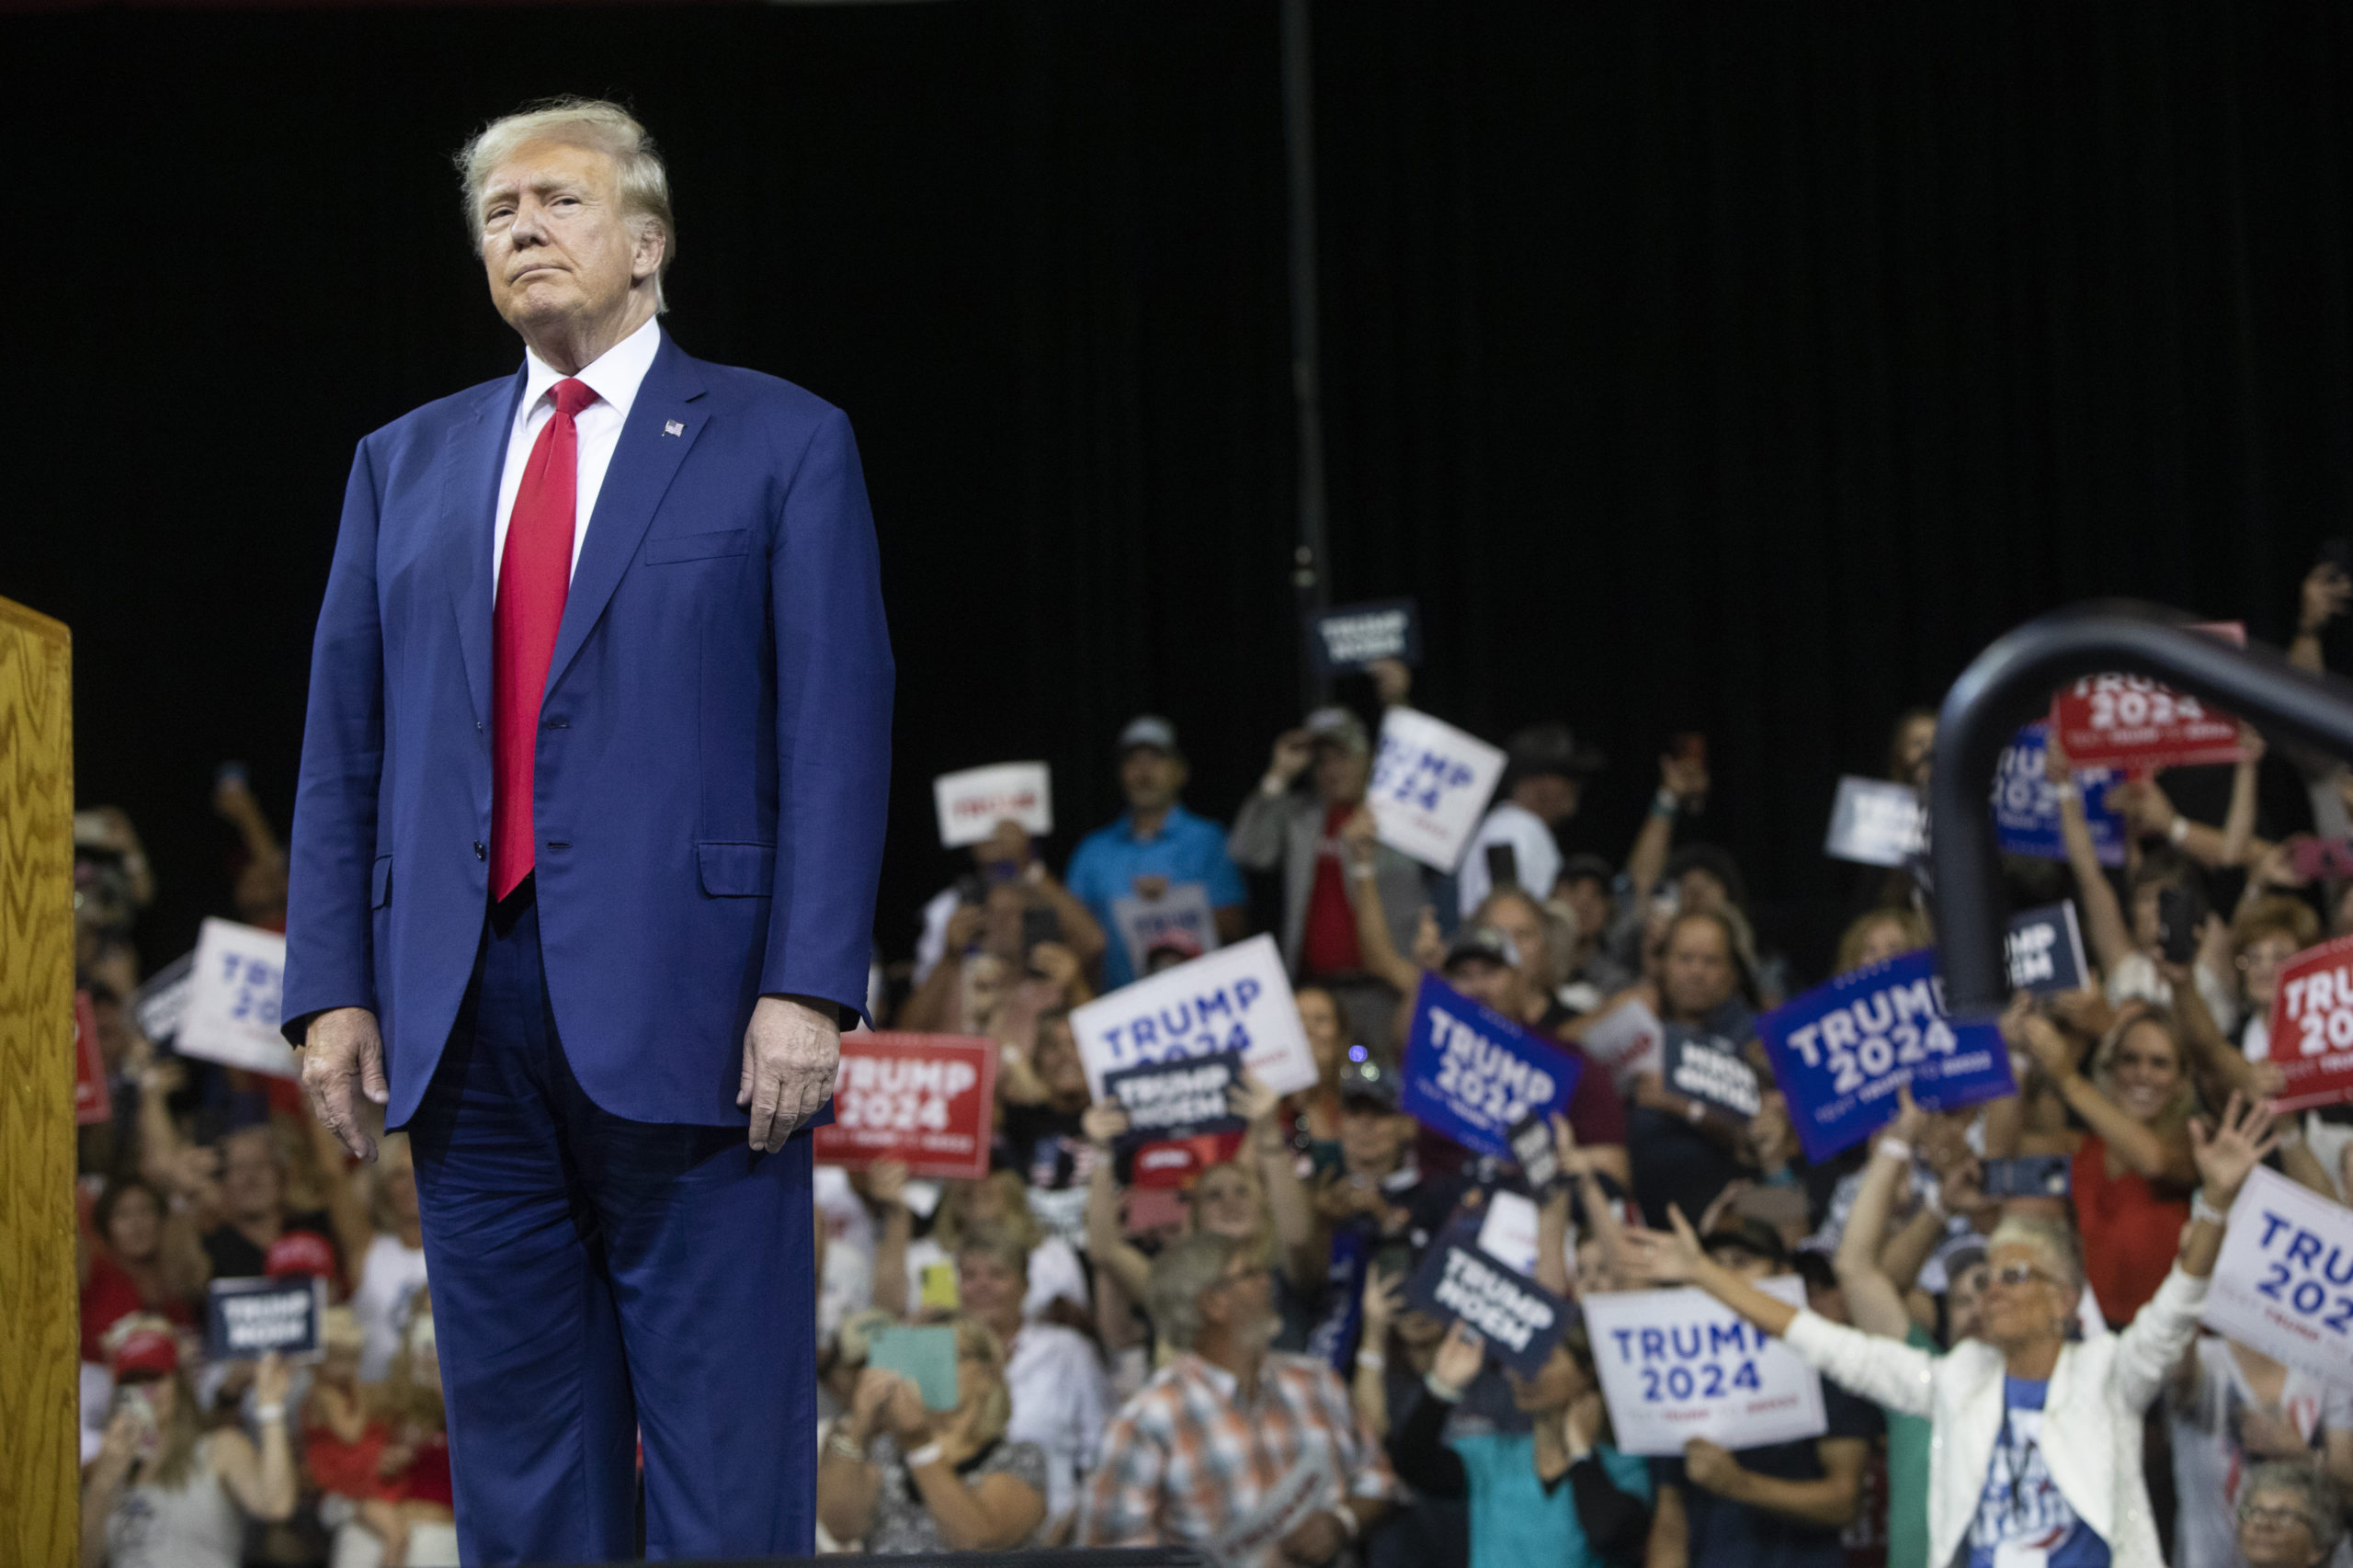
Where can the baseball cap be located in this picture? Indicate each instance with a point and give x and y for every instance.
(1148, 729)
(1550, 747)
(1338, 726)
(1582, 867)
(1483, 942)
(299, 1253)
(1366, 1081)
(1751, 1236)
(1181, 943)
(146, 1345)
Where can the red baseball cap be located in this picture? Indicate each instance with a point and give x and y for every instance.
(299, 1252)
(151, 1350)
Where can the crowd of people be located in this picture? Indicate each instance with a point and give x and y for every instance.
(1233, 1362)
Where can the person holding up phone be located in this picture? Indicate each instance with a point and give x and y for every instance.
(164, 1492)
(1543, 783)
(2163, 935)
(907, 1479)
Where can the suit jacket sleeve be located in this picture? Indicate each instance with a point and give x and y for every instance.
(834, 679)
(1256, 838)
(330, 958)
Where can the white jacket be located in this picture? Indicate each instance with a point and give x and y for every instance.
(2091, 1422)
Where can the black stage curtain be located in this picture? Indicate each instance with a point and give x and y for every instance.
(1724, 369)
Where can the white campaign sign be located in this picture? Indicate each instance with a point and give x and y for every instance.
(1234, 999)
(1875, 823)
(1508, 1233)
(1181, 915)
(1430, 784)
(973, 802)
(1679, 1364)
(234, 987)
(1628, 1040)
(2284, 1284)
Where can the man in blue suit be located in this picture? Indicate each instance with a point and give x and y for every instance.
(584, 871)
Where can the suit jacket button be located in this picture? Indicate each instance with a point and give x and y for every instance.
(478, 850)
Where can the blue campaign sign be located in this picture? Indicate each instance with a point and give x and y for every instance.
(2025, 806)
(1474, 1075)
(1842, 1049)
(1520, 1319)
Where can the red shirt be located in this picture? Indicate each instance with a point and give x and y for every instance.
(348, 1468)
(112, 1295)
(428, 1473)
(2131, 1227)
(1327, 943)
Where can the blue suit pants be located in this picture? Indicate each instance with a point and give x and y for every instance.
(596, 1279)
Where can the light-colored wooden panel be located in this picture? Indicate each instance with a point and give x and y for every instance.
(40, 1451)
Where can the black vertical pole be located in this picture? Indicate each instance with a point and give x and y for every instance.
(1311, 581)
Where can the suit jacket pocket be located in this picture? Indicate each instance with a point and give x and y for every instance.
(737, 870)
(664, 549)
(380, 883)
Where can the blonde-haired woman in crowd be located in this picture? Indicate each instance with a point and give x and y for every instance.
(906, 1479)
(164, 1492)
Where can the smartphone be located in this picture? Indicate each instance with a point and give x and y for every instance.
(1503, 866)
(135, 1398)
(1039, 924)
(1690, 746)
(2318, 859)
(1394, 1260)
(2180, 910)
(2027, 1176)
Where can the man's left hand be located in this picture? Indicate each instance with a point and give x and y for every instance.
(1317, 1539)
(1709, 1466)
(790, 1052)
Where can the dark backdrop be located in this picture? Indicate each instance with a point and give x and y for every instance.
(1734, 369)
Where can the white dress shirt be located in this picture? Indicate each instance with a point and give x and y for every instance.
(614, 378)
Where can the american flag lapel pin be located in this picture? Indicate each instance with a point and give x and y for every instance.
(672, 427)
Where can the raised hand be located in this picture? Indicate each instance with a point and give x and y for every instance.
(1294, 749)
(1574, 1161)
(2234, 1146)
(1103, 1123)
(1459, 1356)
(1385, 1297)
(1685, 778)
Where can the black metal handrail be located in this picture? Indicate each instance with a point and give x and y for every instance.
(2011, 682)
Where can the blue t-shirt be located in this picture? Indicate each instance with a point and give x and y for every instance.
(1514, 1523)
(2022, 1518)
(1108, 860)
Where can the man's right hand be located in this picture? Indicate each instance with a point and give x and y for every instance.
(1294, 749)
(341, 1045)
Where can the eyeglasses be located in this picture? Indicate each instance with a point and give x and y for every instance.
(2275, 1518)
(2017, 1274)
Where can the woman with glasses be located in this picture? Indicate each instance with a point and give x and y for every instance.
(2289, 1515)
(906, 1479)
(2038, 1435)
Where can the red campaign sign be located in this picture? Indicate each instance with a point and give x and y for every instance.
(2311, 1027)
(2134, 721)
(1180, 1162)
(924, 1099)
(92, 1103)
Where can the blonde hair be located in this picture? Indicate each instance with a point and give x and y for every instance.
(599, 125)
(1859, 935)
(2182, 1104)
(1013, 1216)
(1260, 1242)
(975, 1341)
(407, 1395)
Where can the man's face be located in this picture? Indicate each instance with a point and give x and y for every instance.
(1152, 777)
(1517, 918)
(555, 243)
(1340, 774)
(1698, 974)
(1553, 796)
(1244, 1299)
(1498, 985)
(1372, 1138)
(249, 1179)
(1590, 900)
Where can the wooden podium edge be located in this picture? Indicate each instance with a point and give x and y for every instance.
(39, 1393)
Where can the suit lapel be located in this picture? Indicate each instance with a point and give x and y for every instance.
(473, 457)
(644, 462)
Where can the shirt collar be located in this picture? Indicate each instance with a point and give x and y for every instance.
(613, 376)
(1176, 815)
(1228, 1386)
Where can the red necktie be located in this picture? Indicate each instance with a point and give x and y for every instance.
(534, 575)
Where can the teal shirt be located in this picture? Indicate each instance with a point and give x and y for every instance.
(1907, 1476)
(1513, 1523)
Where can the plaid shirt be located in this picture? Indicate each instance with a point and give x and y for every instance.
(1187, 1461)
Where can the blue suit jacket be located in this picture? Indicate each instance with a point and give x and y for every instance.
(714, 749)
